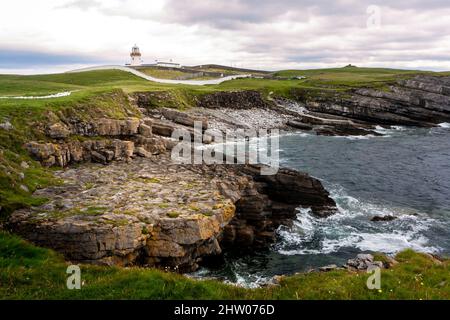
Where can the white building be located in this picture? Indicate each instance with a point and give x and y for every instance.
(135, 56)
(136, 60)
(168, 64)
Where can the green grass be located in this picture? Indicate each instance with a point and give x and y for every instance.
(30, 272)
(226, 71)
(92, 211)
(163, 73)
(12, 194)
(173, 214)
(12, 85)
(351, 76)
(102, 80)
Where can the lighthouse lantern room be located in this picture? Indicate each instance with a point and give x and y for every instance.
(135, 56)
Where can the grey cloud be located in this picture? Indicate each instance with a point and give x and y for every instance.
(227, 13)
(325, 31)
(232, 13)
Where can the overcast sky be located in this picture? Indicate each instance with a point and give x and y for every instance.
(58, 35)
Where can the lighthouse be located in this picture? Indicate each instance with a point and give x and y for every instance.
(135, 56)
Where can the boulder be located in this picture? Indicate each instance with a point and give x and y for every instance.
(145, 130)
(154, 145)
(63, 154)
(337, 130)
(112, 127)
(163, 129)
(40, 151)
(58, 131)
(363, 262)
(140, 151)
(328, 268)
(299, 125)
(383, 218)
(98, 157)
(104, 127)
(184, 118)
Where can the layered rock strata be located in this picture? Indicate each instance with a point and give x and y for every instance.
(152, 212)
(420, 101)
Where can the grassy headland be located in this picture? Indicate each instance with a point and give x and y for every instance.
(30, 272)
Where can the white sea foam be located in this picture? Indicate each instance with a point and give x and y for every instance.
(358, 137)
(50, 96)
(241, 277)
(388, 132)
(299, 134)
(351, 228)
(445, 125)
(249, 280)
(398, 128)
(366, 137)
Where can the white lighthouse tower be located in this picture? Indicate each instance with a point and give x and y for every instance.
(135, 56)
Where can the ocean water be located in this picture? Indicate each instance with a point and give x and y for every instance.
(404, 173)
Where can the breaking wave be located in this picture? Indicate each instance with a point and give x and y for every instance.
(388, 132)
(352, 228)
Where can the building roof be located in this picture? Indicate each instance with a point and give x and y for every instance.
(167, 62)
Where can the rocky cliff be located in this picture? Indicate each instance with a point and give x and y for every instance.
(128, 204)
(420, 101)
